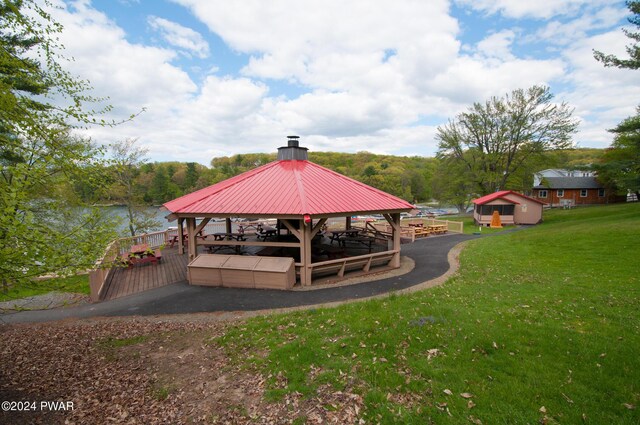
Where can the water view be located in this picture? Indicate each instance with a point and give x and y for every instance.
(121, 212)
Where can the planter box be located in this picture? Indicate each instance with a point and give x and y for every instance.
(205, 270)
(275, 273)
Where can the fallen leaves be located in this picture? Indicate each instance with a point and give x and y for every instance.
(169, 376)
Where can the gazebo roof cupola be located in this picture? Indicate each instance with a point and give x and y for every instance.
(292, 150)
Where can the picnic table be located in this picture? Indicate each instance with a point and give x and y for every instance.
(264, 232)
(367, 241)
(141, 253)
(337, 234)
(173, 239)
(437, 228)
(332, 252)
(223, 236)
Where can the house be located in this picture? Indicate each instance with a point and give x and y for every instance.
(513, 207)
(570, 191)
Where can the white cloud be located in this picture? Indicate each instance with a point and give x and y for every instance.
(497, 46)
(532, 9)
(179, 36)
(565, 33)
(373, 76)
(602, 96)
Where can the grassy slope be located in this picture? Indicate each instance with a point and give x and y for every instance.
(76, 284)
(548, 316)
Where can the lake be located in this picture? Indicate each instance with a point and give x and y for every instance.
(121, 211)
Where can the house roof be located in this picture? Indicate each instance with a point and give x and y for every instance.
(505, 195)
(287, 187)
(569, 183)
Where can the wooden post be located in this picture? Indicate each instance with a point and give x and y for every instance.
(180, 240)
(348, 222)
(395, 262)
(191, 234)
(227, 222)
(305, 253)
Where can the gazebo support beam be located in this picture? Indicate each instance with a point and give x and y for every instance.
(202, 224)
(191, 235)
(292, 229)
(180, 233)
(317, 227)
(305, 253)
(394, 221)
(227, 223)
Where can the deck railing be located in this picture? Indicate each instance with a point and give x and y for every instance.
(104, 267)
(340, 266)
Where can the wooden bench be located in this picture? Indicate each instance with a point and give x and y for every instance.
(342, 266)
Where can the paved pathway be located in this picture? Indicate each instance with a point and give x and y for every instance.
(429, 255)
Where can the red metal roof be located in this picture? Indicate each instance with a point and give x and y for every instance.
(287, 187)
(503, 194)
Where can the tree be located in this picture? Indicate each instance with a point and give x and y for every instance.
(633, 49)
(620, 165)
(452, 184)
(493, 140)
(192, 176)
(44, 228)
(127, 159)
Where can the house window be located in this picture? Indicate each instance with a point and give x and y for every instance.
(601, 193)
(560, 193)
(542, 194)
(583, 193)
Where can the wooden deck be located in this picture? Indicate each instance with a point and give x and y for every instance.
(127, 281)
(172, 269)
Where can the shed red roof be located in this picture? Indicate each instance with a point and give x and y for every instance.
(503, 194)
(287, 187)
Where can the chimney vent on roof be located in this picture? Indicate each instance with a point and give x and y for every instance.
(292, 150)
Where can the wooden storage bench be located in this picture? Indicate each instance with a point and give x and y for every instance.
(275, 273)
(238, 271)
(205, 269)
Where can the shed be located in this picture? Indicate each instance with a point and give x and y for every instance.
(301, 195)
(513, 207)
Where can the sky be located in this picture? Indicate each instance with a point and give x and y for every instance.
(218, 77)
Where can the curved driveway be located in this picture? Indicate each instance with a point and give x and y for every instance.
(429, 254)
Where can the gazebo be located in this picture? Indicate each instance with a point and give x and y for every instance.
(301, 195)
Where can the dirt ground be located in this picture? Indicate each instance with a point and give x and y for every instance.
(144, 372)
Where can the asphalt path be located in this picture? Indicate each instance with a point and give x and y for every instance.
(429, 255)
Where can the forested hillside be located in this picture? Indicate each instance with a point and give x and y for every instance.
(413, 178)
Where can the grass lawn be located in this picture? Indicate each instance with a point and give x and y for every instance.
(78, 284)
(538, 326)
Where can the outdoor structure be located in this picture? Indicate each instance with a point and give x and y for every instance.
(570, 191)
(513, 208)
(302, 196)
